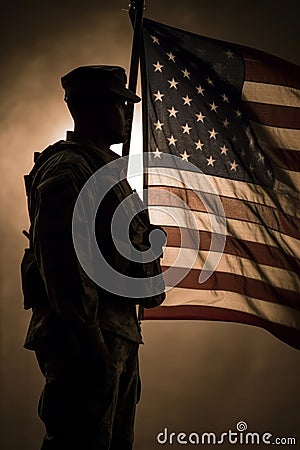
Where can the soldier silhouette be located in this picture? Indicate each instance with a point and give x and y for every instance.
(86, 339)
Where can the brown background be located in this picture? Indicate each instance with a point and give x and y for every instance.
(197, 376)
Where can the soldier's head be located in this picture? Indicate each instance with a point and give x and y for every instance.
(97, 98)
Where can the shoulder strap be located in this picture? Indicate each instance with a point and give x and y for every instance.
(93, 157)
(39, 159)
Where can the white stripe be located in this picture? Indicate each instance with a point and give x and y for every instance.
(185, 218)
(273, 312)
(272, 94)
(286, 138)
(281, 278)
(240, 190)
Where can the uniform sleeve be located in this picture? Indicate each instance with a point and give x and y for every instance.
(73, 296)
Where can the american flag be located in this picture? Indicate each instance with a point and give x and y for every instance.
(233, 112)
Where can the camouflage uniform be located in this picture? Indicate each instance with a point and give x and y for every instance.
(86, 339)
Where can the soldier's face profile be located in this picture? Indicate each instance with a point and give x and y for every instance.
(112, 119)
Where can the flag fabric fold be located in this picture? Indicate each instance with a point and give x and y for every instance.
(223, 179)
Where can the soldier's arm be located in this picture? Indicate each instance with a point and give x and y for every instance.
(73, 296)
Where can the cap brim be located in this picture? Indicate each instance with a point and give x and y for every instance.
(126, 93)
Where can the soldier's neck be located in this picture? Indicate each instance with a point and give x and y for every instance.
(85, 135)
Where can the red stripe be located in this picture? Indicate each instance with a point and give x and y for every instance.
(233, 208)
(230, 282)
(260, 253)
(286, 334)
(273, 115)
(265, 68)
(261, 72)
(285, 159)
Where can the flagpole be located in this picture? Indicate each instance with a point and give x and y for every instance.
(136, 11)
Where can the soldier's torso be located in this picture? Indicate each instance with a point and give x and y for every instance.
(116, 314)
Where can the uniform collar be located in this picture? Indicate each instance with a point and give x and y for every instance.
(72, 136)
(107, 153)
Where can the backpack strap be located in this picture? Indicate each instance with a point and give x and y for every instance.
(39, 159)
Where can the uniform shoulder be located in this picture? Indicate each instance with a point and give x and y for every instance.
(61, 165)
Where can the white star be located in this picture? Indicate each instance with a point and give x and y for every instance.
(186, 128)
(172, 140)
(157, 153)
(186, 73)
(158, 67)
(158, 125)
(200, 90)
(173, 83)
(238, 113)
(212, 133)
(229, 54)
(213, 107)
(233, 166)
(187, 100)
(172, 112)
(200, 117)
(261, 158)
(225, 123)
(199, 145)
(210, 81)
(158, 96)
(234, 138)
(210, 161)
(155, 40)
(225, 98)
(171, 56)
(251, 141)
(219, 68)
(184, 156)
(224, 150)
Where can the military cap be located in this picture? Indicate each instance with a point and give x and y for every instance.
(102, 79)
